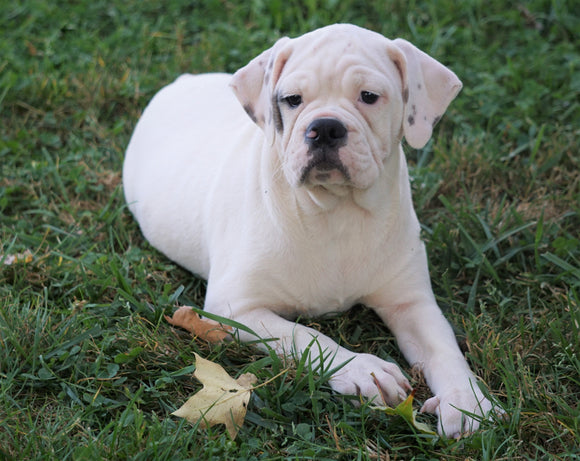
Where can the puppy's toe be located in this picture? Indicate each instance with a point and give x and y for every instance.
(430, 406)
(460, 412)
(389, 390)
(372, 378)
(394, 371)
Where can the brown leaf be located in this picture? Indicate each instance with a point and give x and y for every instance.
(223, 400)
(31, 49)
(208, 330)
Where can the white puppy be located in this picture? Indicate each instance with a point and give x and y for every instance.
(304, 206)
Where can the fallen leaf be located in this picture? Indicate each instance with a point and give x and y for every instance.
(222, 400)
(31, 48)
(405, 410)
(208, 330)
(23, 258)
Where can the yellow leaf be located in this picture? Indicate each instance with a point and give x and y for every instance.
(208, 330)
(19, 258)
(223, 400)
(405, 411)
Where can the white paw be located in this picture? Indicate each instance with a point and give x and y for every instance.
(361, 375)
(459, 410)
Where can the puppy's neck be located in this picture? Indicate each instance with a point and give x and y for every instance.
(320, 199)
(383, 201)
(384, 196)
(309, 204)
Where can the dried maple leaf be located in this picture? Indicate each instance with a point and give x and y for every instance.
(223, 400)
(208, 330)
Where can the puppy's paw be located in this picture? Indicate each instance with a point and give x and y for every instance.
(362, 375)
(459, 410)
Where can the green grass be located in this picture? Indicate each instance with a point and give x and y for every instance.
(89, 369)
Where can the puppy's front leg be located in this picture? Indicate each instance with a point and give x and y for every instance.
(355, 378)
(426, 339)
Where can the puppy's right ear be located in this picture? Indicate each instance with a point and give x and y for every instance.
(254, 83)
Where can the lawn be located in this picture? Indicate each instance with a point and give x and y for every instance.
(90, 369)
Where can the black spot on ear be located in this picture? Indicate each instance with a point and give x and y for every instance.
(250, 111)
(436, 120)
(411, 118)
(276, 114)
(406, 95)
(419, 86)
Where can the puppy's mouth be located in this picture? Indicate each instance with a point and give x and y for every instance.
(324, 170)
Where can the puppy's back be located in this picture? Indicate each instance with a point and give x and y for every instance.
(179, 147)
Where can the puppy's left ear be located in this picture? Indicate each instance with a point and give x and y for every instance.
(428, 88)
(253, 84)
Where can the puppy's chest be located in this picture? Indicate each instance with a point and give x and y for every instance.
(325, 263)
(323, 289)
(332, 276)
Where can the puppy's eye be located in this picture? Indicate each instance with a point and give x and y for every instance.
(368, 97)
(294, 100)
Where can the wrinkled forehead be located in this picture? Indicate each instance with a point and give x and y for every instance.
(354, 54)
(339, 37)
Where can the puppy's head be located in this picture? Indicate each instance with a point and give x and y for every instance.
(337, 101)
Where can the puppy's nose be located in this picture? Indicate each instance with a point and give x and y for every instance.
(326, 132)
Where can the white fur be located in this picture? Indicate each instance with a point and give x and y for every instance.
(222, 196)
